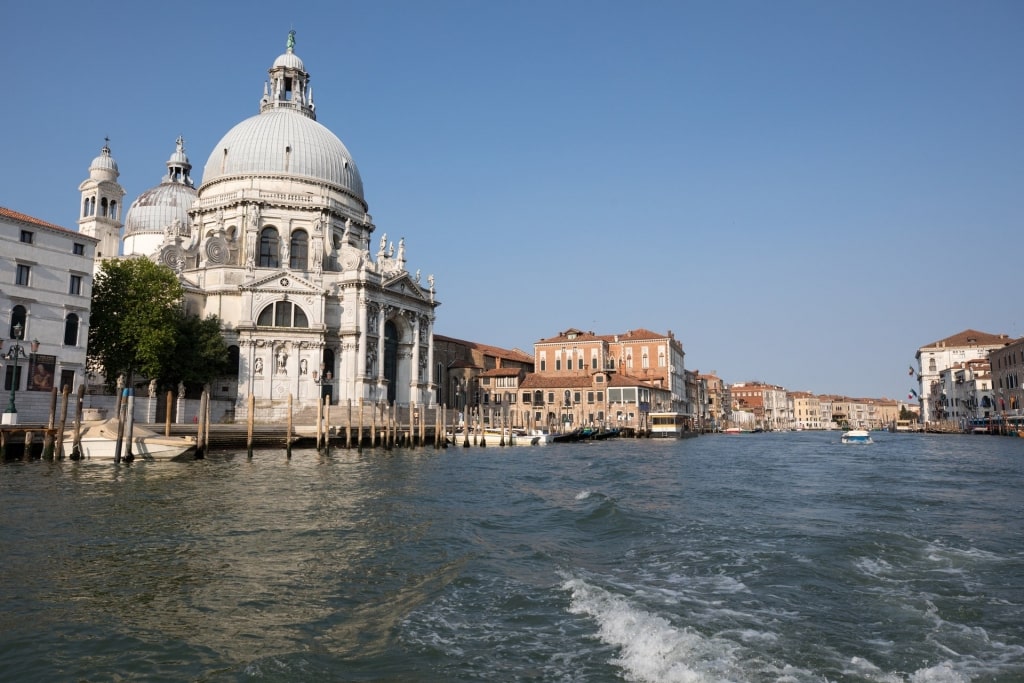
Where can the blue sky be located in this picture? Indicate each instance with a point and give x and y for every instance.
(803, 192)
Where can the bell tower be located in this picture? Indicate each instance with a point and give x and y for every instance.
(100, 211)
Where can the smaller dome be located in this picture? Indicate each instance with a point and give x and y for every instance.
(168, 203)
(289, 60)
(160, 207)
(104, 167)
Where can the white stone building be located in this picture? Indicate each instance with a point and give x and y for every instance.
(45, 287)
(276, 242)
(933, 358)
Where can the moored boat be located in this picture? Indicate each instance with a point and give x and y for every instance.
(98, 441)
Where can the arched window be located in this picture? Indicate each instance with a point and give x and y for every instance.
(644, 363)
(269, 245)
(391, 359)
(71, 330)
(113, 209)
(282, 314)
(18, 315)
(299, 249)
(103, 206)
(234, 361)
(329, 363)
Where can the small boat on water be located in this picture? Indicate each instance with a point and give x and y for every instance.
(857, 436)
(98, 441)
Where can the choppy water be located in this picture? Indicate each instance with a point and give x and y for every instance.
(772, 557)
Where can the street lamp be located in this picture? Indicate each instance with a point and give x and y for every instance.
(15, 353)
(324, 381)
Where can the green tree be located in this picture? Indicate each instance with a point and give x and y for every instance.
(133, 325)
(201, 354)
(137, 327)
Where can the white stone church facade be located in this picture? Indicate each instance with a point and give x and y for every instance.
(276, 242)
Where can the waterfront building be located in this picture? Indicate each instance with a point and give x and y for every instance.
(276, 241)
(459, 365)
(767, 402)
(940, 355)
(46, 271)
(1007, 366)
(716, 400)
(963, 393)
(602, 398)
(805, 409)
(644, 369)
(827, 417)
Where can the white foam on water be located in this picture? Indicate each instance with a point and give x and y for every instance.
(583, 495)
(650, 647)
(873, 567)
(941, 673)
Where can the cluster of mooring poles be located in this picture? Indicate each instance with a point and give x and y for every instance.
(384, 429)
(53, 432)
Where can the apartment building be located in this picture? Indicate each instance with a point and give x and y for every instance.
(45, 290)
(805, 408)
(716, 400)
(933, 358)
(1007, 367)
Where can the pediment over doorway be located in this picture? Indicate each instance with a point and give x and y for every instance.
(283, 282)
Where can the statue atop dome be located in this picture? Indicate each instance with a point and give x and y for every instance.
(291, 40)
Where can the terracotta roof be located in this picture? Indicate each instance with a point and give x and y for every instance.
(579, 336)
(25, 218)
(537, 381)
(641, 334)
(971, 338)
(496, 351)
(501, 372)
(617, 380)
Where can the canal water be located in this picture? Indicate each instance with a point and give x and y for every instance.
(761, 557)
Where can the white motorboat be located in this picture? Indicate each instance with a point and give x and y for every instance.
(98, 441)
(857, 436)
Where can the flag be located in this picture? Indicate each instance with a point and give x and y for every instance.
(913, 392)
(911, 372)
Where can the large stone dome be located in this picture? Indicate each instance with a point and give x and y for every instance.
(284, 142)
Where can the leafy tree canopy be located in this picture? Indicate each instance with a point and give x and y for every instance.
(137, 327)
(200, 353)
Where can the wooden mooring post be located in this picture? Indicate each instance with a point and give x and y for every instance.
(59, 452)
(76, 442)
(288, 435)
(359, 439)
(348, 426)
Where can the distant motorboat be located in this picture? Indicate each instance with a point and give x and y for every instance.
(857, 436)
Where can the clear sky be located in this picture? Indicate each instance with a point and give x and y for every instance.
(803, 192)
